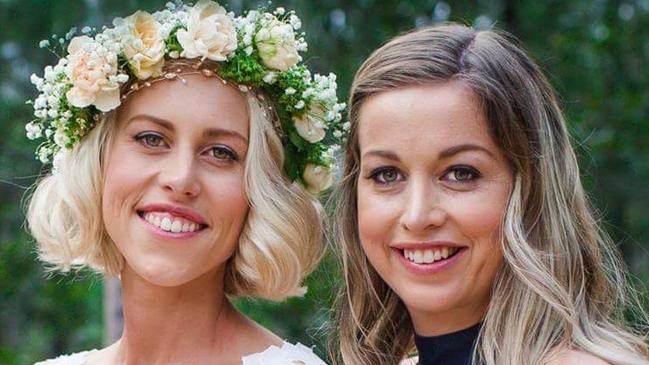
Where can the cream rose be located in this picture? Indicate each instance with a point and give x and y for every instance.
(90, 67)
(310, 125)
(276, 45)
(318, 178)
(210, 33)
(144, 47)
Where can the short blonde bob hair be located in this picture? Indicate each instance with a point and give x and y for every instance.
(280, 244)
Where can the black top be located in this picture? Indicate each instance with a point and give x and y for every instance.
(453, 348)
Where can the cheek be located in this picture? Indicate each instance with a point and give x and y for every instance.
(480, 220)
(125, 179)
(373, 218)
(227, 198)
(377, 219)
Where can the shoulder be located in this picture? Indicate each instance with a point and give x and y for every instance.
(576, 357)
(72, 359)
(287, 353)
(410, 361)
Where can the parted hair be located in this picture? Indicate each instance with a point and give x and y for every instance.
(280, 243)
(562, 284)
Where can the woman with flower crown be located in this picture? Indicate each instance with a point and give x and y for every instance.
(187, 147)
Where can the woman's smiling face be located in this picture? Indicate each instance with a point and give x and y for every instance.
(432, 192)
(174, 199)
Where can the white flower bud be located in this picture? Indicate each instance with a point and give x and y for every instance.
(317, 178)
(40, 102)
(270, 78)
(33, 130)
(43, 154)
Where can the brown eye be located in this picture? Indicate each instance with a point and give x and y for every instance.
(222, 153)
(150, 139)
(153, 141)
(389, 176)
(462, 174)
(386, 175)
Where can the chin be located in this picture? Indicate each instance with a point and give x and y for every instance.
(163, 271)
(429, 299)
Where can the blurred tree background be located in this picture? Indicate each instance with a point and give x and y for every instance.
(596, 53)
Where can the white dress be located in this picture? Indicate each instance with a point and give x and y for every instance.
(288, 354)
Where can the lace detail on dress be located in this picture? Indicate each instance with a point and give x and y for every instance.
(74, 359)
(288, 354)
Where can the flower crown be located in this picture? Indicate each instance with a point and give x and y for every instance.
(259, 50)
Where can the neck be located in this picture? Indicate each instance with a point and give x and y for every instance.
(165, 325)
(439, 323)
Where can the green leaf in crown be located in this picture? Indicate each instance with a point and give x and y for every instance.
(259, 50)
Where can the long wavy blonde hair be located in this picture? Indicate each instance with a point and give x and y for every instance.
(562, 285)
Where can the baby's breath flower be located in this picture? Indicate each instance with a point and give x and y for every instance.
(259, 50)
(33, 130)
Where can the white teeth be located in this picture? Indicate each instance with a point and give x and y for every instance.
(419, 256)
(176, 226)
(166, 224)
(429, 255)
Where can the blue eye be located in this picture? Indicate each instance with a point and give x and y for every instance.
(462, 174)
(386, 175)
(223, 153)
(150, 139)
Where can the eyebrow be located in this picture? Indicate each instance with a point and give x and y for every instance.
(451, 151)
(210, 132)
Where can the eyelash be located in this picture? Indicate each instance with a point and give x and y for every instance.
(143, 138)
(377, 175)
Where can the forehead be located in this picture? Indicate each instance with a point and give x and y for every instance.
(201, 102)
(433, 116)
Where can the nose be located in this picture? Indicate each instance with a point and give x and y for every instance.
(423, 211)
(179, 175)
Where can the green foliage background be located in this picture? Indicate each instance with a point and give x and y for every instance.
(596, 53)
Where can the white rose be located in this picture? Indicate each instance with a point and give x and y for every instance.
(310, 125)
(276, 45)
(89, 69)
(317, 178)
(144, 48)
(210, 33)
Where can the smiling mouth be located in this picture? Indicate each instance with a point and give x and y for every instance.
(430, 255)
(169, 223)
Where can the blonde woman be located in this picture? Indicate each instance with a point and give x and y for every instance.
(461, 221)
(174, 139)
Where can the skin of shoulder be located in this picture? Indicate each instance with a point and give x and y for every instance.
(575, 357)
